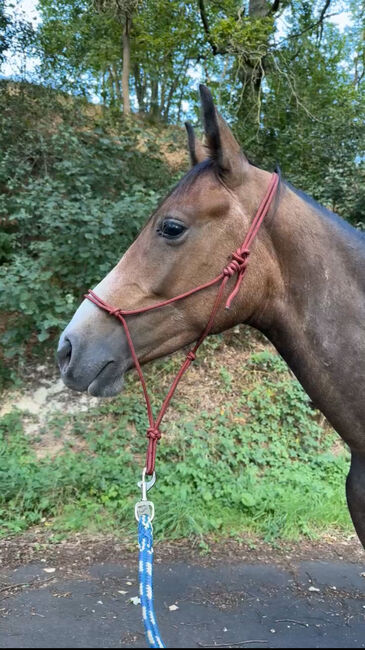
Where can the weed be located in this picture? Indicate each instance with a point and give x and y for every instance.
(226, 377)
(271, 472)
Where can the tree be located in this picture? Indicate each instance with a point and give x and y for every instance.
(357, 35)
(123, 11)
(313, 122)
(168, 41)
(90, 46)
(4, 31)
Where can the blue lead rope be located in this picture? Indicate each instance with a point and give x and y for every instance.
(145, 572)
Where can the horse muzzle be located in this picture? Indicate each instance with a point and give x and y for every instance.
(93, 354)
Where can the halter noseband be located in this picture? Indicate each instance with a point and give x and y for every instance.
(237, 266)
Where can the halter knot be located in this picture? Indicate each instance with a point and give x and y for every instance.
(153, 433)
(115, 312)
(237, 264)
(191, 356)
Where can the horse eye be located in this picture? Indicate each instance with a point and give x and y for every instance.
(171, 229)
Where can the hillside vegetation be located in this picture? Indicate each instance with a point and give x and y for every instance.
(75, 190)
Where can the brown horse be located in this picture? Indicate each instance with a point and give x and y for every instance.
(304, 289)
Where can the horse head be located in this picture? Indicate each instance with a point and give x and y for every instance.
(186, 242)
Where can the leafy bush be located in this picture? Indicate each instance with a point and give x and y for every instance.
(73, 199)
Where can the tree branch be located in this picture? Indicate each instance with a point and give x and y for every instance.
(322, 16)
(307, 29)
(203, 16)
(275, 6)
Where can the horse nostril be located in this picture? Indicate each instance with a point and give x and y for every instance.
(64, 355)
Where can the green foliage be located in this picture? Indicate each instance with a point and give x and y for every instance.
(248, 35)
(270, 470)
(314, 124)
(73, 200)
(80, 46)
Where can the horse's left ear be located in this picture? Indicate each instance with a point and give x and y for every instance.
(222, 146)
(197, 150)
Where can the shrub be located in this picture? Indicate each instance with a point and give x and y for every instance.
(73, 199)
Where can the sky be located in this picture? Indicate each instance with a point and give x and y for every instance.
(28, 8)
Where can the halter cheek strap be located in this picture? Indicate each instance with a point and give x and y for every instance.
(237, 266)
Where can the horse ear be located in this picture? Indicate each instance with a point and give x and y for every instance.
(197, 151)
(222, 145)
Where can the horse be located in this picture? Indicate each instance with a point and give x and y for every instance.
(304, 289)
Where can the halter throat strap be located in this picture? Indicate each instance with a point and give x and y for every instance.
(237, 266)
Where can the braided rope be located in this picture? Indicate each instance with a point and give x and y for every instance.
(145, 573)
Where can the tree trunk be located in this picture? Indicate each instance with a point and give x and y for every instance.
(359, 61)
(154, 99)
(173, 88)
(126, 66)
(103, 87)
(162, 99)
(140, 85)
(111, 87)
(258, 8)
(179, 104)
(117, 82)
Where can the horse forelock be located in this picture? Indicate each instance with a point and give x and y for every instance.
(201, 169)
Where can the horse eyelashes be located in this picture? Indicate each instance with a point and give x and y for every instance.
(171, 229)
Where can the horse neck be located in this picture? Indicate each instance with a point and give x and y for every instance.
(315, 318)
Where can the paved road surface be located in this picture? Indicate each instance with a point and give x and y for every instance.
(314, 605)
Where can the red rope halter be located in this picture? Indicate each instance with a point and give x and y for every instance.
(237, 265)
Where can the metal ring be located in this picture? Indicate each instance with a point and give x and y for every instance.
(146, 485)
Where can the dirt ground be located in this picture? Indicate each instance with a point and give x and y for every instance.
(81, 550)
(43, 394)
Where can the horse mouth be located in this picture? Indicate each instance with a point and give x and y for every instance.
(98, 372)
(106, 383)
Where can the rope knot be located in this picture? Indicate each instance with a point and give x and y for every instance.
(237, 264)
(153, 433)
(191, 355)
(231, 268)
(115, 312)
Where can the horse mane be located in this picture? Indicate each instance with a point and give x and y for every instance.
(347, 229)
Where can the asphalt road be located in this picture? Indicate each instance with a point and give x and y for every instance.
(313, 605)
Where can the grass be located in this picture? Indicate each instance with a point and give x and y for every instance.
(257, 460)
